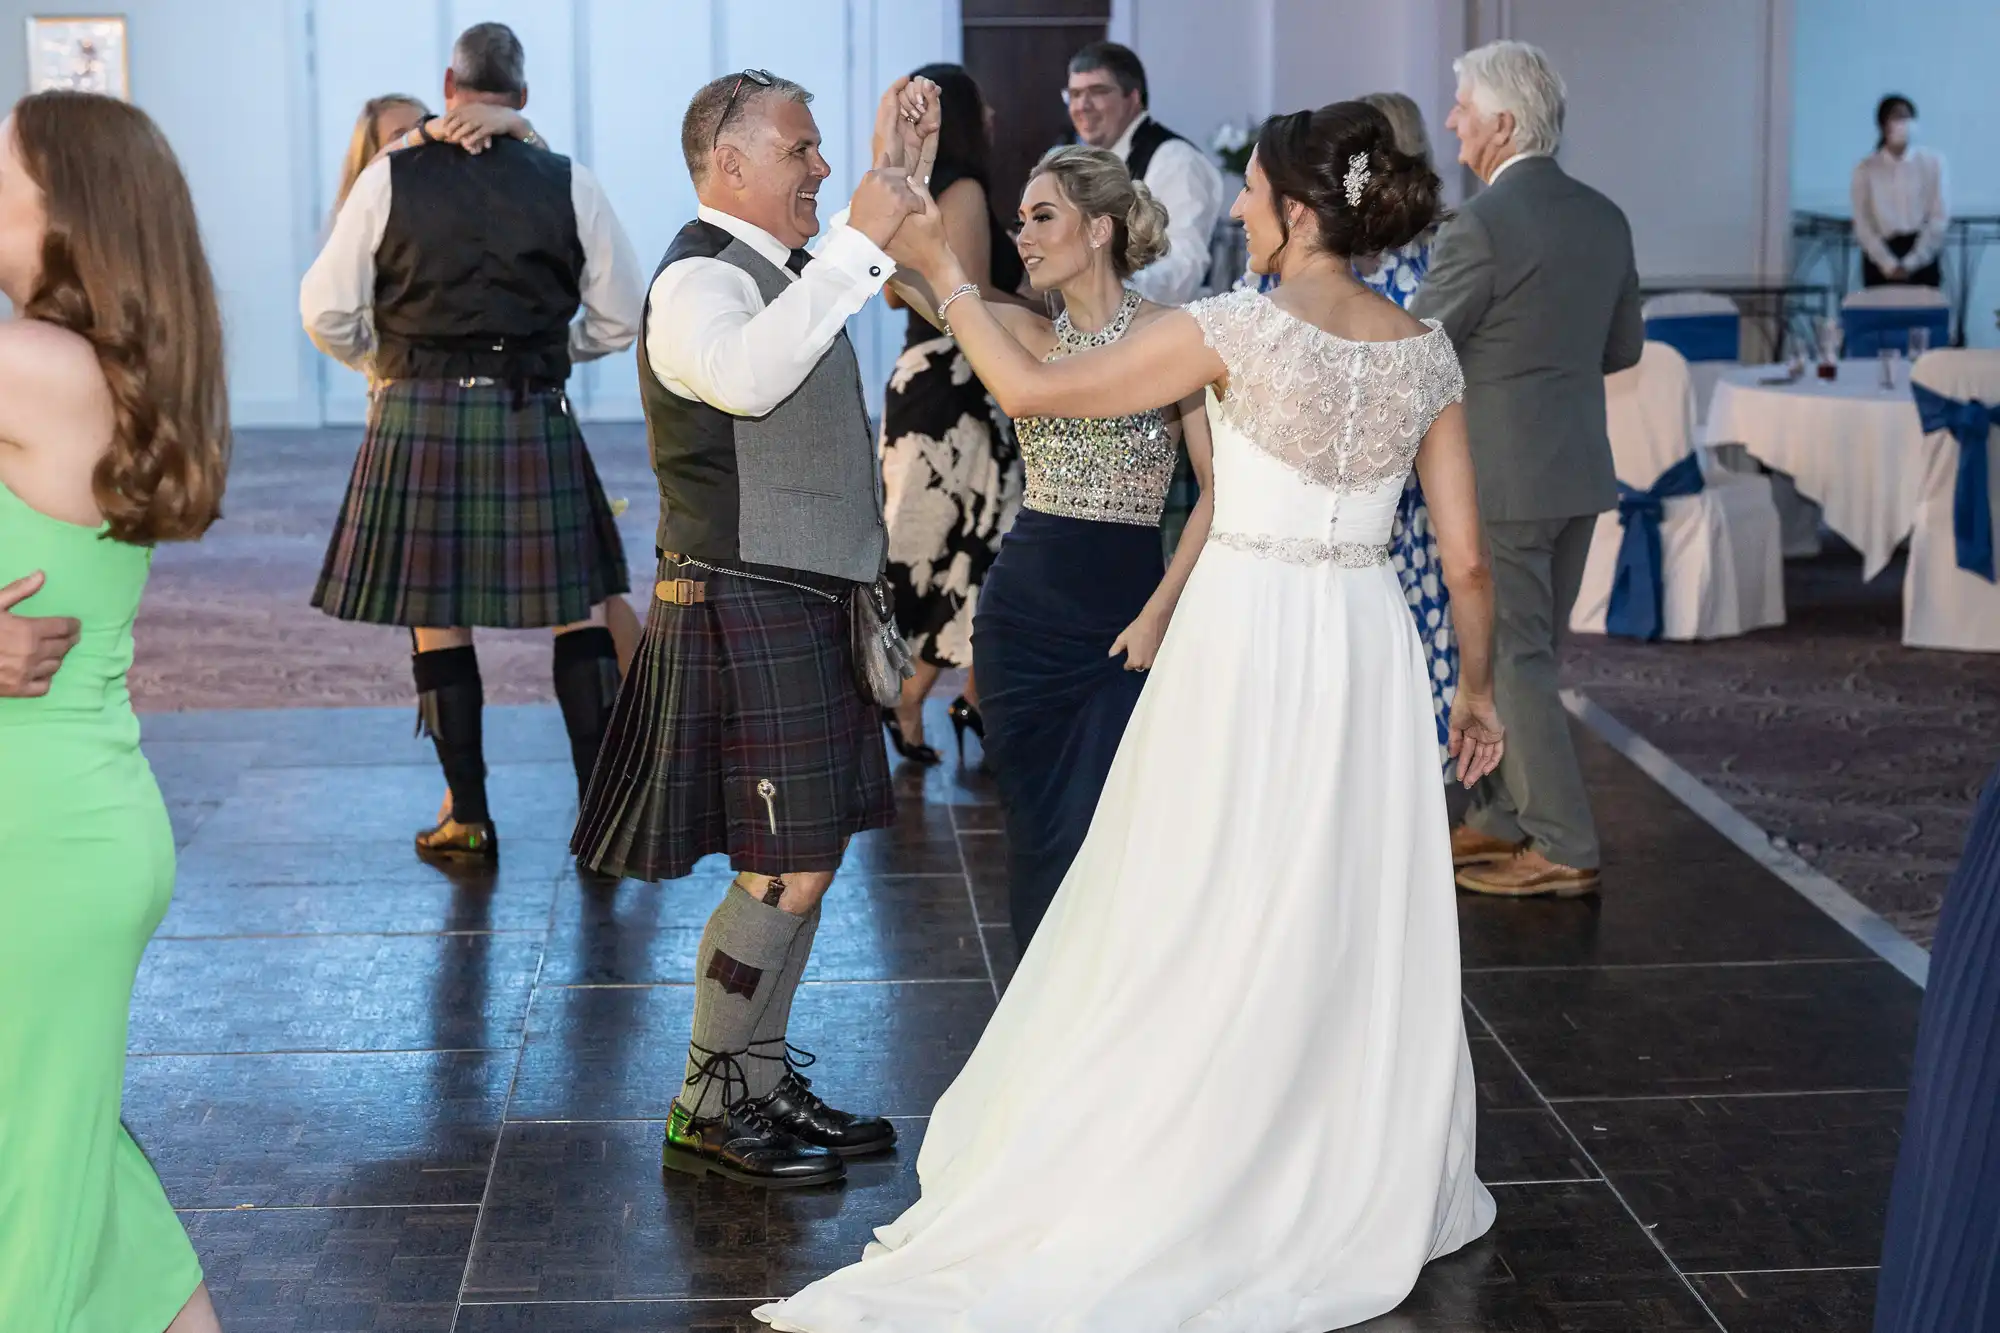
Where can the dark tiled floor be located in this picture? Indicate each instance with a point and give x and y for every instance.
(393, 1101)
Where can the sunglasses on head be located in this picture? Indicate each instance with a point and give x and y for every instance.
(761, 77)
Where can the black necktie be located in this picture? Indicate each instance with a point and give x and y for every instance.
(800, 258)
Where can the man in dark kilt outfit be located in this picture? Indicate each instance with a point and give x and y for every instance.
(741, 729)
(453, 279)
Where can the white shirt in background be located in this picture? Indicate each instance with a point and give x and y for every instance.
(1894, 196)
(715, 341)
(1189, 187)
(337, 298)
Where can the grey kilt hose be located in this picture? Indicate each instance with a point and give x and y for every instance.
(740, 730)
(470, 506)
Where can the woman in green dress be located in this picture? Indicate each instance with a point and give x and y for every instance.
(114, 436)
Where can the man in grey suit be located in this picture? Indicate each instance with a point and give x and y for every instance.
(1535, 283)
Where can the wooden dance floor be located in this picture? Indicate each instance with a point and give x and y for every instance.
(389, 1102)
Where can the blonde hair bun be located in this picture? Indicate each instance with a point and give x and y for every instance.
(1097, 182)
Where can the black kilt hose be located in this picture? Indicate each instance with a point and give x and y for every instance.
(470, 506)
(740, 730)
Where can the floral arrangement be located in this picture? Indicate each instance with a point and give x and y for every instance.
(1232, 146)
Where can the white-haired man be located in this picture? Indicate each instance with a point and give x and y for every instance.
(1535, 283)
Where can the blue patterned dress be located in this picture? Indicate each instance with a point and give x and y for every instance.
(1413, 548)
(1413, 545)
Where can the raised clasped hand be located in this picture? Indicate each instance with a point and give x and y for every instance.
(881, 201)
(919, 243)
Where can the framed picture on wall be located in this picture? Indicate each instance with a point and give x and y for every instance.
(83, 54)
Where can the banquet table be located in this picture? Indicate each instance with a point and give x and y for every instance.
(1850, 444)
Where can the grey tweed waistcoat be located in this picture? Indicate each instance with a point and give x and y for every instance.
(795, 491)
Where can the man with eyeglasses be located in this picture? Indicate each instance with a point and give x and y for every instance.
(741, 729)
(1107, 99)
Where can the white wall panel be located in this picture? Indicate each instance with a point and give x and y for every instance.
(645, 59)
(351, 63)
(1668, 116)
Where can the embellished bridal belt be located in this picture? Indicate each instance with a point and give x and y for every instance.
(1304, 550)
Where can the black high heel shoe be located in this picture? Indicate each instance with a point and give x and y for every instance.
(965, 717)
(916, 751)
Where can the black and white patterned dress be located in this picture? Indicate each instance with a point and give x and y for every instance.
(951, 477)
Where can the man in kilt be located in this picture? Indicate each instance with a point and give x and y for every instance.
(741, 729)
(452, 279)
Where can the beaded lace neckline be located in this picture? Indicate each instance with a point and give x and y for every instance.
(1347, 415)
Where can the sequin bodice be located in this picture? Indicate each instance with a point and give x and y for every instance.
(1113, 471)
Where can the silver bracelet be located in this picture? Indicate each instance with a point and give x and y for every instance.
(969, 289)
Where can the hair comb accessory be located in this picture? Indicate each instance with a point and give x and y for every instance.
(1356, 179)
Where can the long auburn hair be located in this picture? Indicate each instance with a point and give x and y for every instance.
(366, 142)
(123, 266)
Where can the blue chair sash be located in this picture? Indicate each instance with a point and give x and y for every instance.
(1712, 337)
(1638, 593)
(1866, 330)
(1971, 424)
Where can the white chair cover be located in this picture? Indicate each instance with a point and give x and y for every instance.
(1943, 606)
(1721, 556)
(1649, 412)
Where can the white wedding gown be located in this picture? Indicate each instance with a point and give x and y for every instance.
(1228, 1089)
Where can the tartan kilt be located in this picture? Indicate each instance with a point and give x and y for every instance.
(739, 729)
(465, 511)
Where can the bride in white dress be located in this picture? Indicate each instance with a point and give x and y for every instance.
(1228, 1089)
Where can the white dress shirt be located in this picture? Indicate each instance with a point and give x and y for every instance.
(1189, 187)
(714, 340)
(337, 298)
(1895, 196)
(1502, 168)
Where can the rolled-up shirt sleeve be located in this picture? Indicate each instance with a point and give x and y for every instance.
(1189, 187)
(614, 292)
(710, 336)
(337, 296)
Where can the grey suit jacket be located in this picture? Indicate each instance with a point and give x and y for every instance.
(1536, 286)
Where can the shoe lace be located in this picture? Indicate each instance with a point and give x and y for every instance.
(796, 1058)
(724, 1067)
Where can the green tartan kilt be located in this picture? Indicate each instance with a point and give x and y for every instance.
(470, 506)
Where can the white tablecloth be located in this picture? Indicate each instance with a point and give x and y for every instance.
(1852, 445)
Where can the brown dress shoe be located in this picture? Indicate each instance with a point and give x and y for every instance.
(1470, 847)
(1529, 874)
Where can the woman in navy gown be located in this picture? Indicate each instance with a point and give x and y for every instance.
(1941, 1256)
(1079, 598)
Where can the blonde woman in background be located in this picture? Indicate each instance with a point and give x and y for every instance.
(1079, 598)
(383, 122)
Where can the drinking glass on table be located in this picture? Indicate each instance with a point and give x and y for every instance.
(1890, 356)
(1920, 342)
(1829, 349)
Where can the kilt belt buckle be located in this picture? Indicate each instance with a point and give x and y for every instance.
(681, 592)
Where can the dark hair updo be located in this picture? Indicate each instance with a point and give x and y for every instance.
(1306, 156)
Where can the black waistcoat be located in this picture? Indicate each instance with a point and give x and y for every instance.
(480, 268)
(1146, 141)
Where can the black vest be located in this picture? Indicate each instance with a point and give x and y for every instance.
(480, 268)
(794, 494)
(1146, 141)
